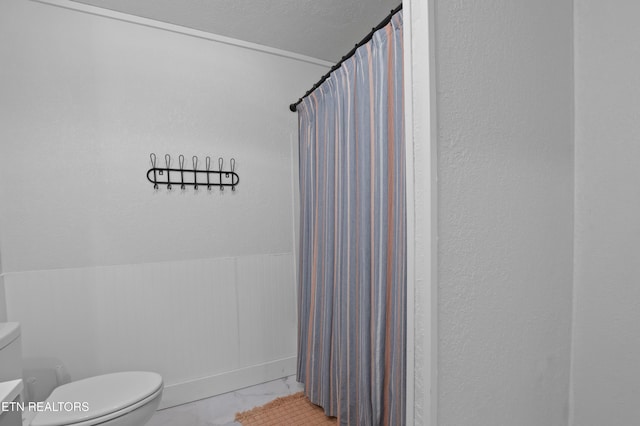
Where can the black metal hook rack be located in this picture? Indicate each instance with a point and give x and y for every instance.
(192, 176)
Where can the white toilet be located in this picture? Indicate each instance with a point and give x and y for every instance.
(117, 399)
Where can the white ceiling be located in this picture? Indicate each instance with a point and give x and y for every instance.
(323, 29)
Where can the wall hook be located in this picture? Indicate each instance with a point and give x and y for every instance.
(153, 166)
(220, 163)
(208, 163)
(181, 162)
(233, 169)
(167, 160)
(195, 171)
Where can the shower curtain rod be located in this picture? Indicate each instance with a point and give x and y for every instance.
(293, 106)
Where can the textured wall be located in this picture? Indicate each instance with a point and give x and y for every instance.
(606, 345)
(505, 207)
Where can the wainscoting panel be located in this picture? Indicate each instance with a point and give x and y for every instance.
(208, 326)
(266, 297)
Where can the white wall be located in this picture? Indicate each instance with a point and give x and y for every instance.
(505, 209)
(91, 253)
(3, 305)
(606, 345)
(421, 224)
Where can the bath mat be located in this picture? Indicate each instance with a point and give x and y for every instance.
(292, 410)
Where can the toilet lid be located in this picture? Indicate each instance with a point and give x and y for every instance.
(103, 395)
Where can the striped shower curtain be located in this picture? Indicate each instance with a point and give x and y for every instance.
(352, 284)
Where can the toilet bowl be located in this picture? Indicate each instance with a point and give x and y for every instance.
(116, 399)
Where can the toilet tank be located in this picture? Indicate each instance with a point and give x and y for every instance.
(10, 351)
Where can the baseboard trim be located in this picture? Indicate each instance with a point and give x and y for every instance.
(206, 387)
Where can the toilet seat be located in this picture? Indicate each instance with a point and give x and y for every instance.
(108, 396)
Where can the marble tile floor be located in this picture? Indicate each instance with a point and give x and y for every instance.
(221, 410)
